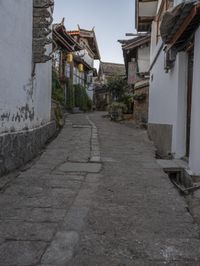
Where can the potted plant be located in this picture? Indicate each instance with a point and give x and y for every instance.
(117, 109)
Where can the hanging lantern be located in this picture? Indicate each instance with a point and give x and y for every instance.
(80, 67)
(69, 58)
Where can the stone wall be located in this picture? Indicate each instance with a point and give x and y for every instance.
(42, 21)
(161, 135)
(141, 104)
(17, 148)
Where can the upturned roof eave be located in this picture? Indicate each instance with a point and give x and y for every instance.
(67, 42)
(177, 30)
(136, 43)
(80, 32)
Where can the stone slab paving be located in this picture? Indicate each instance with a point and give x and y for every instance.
(38, 203)
(95, 197)
(137, 217)
(80, 167)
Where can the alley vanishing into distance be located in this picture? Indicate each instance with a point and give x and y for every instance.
(95, 196)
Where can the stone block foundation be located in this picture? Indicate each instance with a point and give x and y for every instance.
(17, 148)
(161, 135)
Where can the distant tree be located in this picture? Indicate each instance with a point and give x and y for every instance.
(117, 86)
(57, 90)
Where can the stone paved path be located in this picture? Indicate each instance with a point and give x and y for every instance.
(73, 207)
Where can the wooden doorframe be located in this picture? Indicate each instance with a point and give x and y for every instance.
(189, 98)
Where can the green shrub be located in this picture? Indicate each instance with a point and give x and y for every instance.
(58, 115)
(89, 104)
(127, 99)
(57, 90)
(70, 95)
(82, 100)
(115, 106)
(117, 85)
(120, 92)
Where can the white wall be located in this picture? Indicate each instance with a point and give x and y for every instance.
(167, 99)
(194, 160)
(42, 88)
(181, 107)
(24, 102)
(163, 93)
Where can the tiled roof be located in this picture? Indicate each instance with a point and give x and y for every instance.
(136, 42)
(91, 37)
(110, 69)
(63, 39)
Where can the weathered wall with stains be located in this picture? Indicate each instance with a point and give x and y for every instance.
(194, 159)
(25, 90)
(167, 103)
(25, 102)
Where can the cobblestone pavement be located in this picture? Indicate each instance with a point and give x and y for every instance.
(74, 207)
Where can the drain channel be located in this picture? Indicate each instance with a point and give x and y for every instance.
(182, 181)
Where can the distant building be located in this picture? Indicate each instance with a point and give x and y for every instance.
(87, 39)
(107, 70)
(74, 58)
(136, 53)
(102, 96)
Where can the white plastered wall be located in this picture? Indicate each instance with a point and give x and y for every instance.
(194, 160)
(24, 102)
(181, 107)
(167, 99)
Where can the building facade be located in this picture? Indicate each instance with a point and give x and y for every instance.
(25, 80)
(174, 95)
(74, 54)
(136, 53)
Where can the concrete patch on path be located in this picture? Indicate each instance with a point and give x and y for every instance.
(62, 248)
(80, 167)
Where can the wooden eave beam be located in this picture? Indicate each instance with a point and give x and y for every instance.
(161, 8)
(146, 19)
(137, 17)
(183, 27)
(146, 1)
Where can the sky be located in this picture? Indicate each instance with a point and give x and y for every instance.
(112, 19)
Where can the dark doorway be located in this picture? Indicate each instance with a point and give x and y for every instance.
(189, 98)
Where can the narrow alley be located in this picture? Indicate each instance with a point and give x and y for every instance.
(95, 196)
